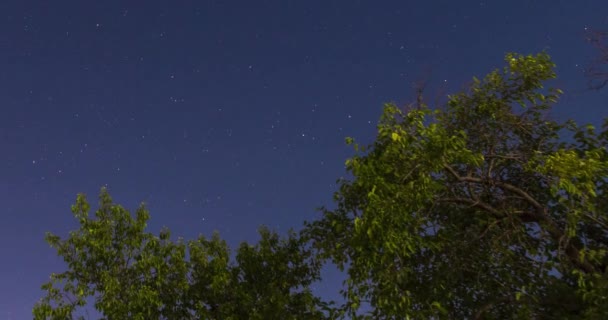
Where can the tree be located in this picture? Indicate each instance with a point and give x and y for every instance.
(597, 72)
(485, 208)
(133, 274)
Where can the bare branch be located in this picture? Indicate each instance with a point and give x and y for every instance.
(597, 72)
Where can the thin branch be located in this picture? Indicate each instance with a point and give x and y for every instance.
(540, 215)
(594, 219)
(479, 314)
(473, 203)
(501, 184)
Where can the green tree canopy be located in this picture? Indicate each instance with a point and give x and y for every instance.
(485, 208)
(482, 209)
(133, 274)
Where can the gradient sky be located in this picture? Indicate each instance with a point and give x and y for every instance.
(224, 115)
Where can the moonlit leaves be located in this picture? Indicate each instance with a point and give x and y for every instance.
(395, 136)
(460, 212)
(134, 274)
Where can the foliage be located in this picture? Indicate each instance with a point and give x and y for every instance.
(133, 274)
(483, 209)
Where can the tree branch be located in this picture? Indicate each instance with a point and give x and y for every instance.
(540, 216)
(501, 184)
(473, 203)
(479, 314)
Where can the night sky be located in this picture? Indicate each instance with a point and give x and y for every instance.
(225, 115)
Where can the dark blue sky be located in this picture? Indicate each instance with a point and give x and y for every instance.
(227, 115)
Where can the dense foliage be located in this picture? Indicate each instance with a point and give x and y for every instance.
(477, 210)
(132, 274)
(485, 208)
